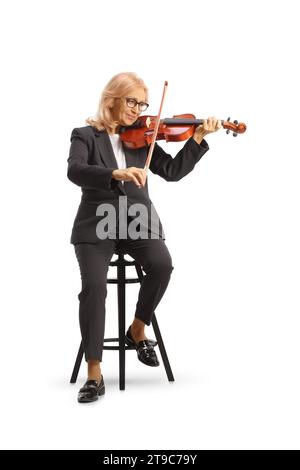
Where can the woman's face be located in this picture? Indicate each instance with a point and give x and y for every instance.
(128, 115)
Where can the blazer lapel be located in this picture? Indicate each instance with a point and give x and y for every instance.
(107, 153)
(105, 149)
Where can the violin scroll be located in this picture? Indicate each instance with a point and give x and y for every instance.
(235, 127)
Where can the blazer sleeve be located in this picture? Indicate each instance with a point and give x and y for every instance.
(81, 172)
(173, 169)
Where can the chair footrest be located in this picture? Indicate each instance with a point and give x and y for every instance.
(128, 280)
(114, 340)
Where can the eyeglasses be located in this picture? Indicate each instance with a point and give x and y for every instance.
(132, 102)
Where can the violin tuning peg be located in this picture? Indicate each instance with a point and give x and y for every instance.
(235, 122)
(234, 134)
(228, 131)
(228, 119)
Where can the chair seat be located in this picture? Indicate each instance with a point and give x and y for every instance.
(121, 262)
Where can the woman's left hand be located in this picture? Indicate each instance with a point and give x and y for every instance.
(208, 126)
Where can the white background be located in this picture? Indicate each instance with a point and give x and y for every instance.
(230, 317)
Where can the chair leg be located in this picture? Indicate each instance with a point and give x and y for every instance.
(121, 321)
(158, 336)
(162, 349)
(77, 364)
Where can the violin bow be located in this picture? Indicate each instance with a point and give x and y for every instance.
(147, 164)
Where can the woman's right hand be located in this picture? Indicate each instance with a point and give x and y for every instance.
(137, 175)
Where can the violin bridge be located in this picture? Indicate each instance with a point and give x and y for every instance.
(148, 121)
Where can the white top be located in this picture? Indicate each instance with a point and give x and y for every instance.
(118, 151)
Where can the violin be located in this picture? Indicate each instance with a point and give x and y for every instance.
(180, 127)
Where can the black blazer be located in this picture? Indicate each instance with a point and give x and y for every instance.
(91, 163)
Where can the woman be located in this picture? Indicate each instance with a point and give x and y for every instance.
(109, 174)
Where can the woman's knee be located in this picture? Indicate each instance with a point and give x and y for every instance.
(93, 288)
(162, 267)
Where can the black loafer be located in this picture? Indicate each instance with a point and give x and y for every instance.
(144, 348)
(91, 391)
(128, 336)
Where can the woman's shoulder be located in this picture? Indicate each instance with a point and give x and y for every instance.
(85, 132)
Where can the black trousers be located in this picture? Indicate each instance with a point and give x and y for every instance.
(93, 259)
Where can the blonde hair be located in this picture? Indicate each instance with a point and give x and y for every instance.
(118, 87)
